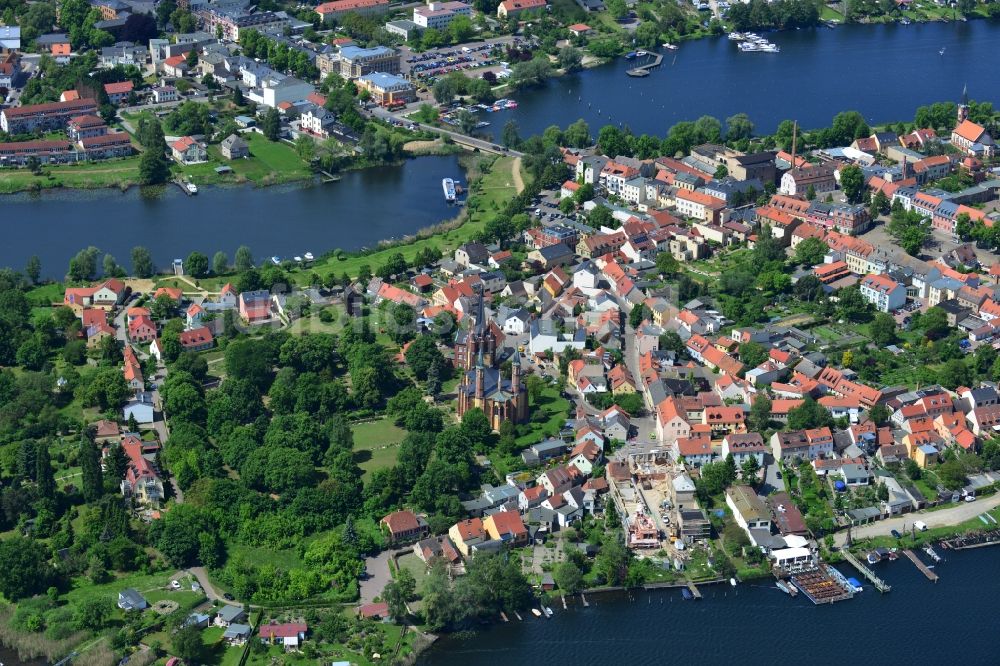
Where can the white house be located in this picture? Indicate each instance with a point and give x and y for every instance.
(883, 292)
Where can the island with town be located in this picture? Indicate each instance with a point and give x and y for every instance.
(630, 363)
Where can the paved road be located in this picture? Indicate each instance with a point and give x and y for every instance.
(942, 518)
(378, 577)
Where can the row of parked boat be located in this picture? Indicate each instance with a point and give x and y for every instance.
(751, 42)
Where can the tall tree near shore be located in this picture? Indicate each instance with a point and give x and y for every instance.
(142, 262)
(244, 259)
(33, 269)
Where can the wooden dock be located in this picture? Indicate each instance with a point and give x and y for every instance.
(644, 70)
(931, 576)
(583, 597)
(879, 584)
(694, 590)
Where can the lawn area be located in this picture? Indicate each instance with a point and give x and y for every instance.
(46, 294)
(829, 14)
(313, 323)
(376, 444)
(281, 559)
(145, 583)
(87, 175)
(212, 283)
(555, 410)
(493, 190)
(270, 162)
(414, 565)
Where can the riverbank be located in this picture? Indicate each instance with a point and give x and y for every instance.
(492, 182)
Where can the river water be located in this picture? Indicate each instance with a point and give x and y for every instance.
(361, 209)
(885, 72)
(918, 622)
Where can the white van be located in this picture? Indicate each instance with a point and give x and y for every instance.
(920, 525)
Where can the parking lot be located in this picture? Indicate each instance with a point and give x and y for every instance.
(471, 59)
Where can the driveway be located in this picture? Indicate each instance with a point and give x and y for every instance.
(378, 576)
(942, 518)
(202, 576)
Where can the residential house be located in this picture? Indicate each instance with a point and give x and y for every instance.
(883, 292)
(187, 150)
(404, 526)
(233, 147)
(507, 527)
(289, 634)
(130, 599)
(255, 306)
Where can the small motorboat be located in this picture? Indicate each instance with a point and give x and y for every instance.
(631, 54)
(642, 54)
(670, 47)
(276, 260)
(686, 593)
(732, 581)
(191, 188)
(298, 260)
(536, 612)
(783, 586)
(308, 256)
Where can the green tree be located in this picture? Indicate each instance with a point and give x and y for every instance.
(852, 181)
(568, 577)
(142, 262)
(153, 168)
(739, 127)
(883, 329)
(90, 468)
(760, 413)
(25, 571)
(810, 252)
(33, 269)
(188, 644)
(220, 263)
(44, 476)
(569, 58)
(749, 470)
(244, 259)
(92, 613)
(196, 264)
(752, 354)
(667, 265)
(271, 124)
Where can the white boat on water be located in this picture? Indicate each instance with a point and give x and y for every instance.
(737, 36)
(536, 612)
(783, 586)
(670, 47)
(276, 260)
(641, 53)
(732, 581)
(308, 256)
(548, 611)
(191, 188)
(298, 260)
(449, 189)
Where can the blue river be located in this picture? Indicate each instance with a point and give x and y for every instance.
(951, 622)
(883, 71)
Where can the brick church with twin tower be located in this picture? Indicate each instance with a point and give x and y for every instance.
(477, 352)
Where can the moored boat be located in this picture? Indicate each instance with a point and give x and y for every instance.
(449, 189)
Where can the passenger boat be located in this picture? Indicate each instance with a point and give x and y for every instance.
(449, 189)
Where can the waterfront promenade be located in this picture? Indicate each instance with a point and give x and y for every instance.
(942, 518)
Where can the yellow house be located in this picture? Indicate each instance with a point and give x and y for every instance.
(466, 534)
